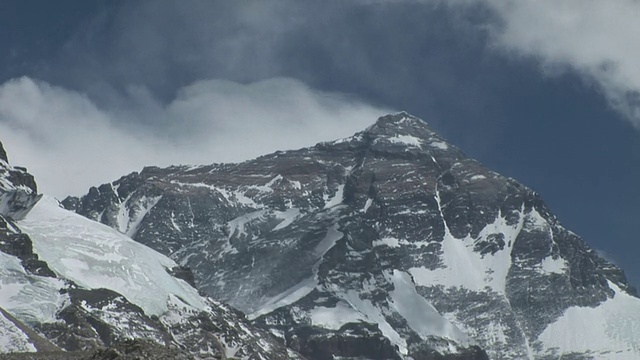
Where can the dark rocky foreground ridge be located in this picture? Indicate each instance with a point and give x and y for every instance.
(389, 244)
(49, 311)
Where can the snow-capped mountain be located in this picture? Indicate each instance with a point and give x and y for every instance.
(390, 244)
(70, 283)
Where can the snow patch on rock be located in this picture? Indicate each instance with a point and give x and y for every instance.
(287, 297)
(407, 140)
(466, 268)
(336, 199)
(551, 265)
(287, 217)
(421, 316)
(335, 317)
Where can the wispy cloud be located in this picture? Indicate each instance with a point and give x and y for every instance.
(66, 140)
(607, 256)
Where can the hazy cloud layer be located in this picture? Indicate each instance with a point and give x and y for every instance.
(423, 58)
(66, 140)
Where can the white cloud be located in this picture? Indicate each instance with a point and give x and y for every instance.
(607, 256)
(69, 144)
(597, 38)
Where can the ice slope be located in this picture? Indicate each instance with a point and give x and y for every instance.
(421, 316)
(581, 329)
(12, 339)
(32, 298)
(96, 256)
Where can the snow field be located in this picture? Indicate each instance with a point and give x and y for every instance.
(96, 256)
(581, 329)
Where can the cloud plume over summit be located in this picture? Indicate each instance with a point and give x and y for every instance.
(45, 126)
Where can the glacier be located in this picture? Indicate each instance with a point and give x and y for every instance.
(96, 256)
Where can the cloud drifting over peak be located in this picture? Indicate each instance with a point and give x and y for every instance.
(45, 126)
(142, 67)
(598, 39)
(413, 54)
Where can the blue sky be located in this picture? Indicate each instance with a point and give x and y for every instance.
(545, 92)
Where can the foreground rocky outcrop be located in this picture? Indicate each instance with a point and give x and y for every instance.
(18, 189)
(71, 287)
(127, 350)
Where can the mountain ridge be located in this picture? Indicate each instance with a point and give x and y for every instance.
(324, 245)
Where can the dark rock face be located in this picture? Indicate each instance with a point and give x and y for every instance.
(86, 321)
(184, 273)
(388, 244)
(14, 242)
(126, 350)
(140, 349)
(18, 189)
(3, 154)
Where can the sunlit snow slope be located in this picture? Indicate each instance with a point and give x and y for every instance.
(613, 324)
(108, 288)
(96, 256)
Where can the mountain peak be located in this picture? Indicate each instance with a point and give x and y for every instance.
(399, 123)
(398, 119)
(406, 132)
(3, 154)
(389, 244)
(400, 132)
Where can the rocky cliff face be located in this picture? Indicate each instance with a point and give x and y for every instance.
(69, 283)
(388, 244)
(18, 190)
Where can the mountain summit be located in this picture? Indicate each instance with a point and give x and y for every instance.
(389, 244)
